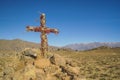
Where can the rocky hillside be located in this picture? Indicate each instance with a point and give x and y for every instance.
(29, 65)
(60, 64)
(20, 61)
(101, 63)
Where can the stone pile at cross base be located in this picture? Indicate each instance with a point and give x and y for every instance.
(33, 67)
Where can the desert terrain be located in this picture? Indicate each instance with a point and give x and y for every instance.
(21, 60)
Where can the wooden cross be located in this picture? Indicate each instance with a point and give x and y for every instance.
(44, 31)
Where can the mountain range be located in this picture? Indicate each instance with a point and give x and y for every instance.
(18, 45)
(88, 46)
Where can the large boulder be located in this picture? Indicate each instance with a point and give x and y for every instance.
(73, 72)
(58, 60)
(30, 53)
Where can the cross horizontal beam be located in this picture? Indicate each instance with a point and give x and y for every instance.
(44, 31)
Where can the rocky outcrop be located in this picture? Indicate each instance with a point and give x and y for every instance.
(37, 68)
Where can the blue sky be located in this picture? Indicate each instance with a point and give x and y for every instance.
(79, 21)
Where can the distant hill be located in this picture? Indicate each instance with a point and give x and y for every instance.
(18, 45)
(88, 46)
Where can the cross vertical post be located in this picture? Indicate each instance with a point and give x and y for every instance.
(44, 31)
(44, 41)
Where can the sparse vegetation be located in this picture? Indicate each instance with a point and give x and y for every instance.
(97, 64)
(100, 63)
